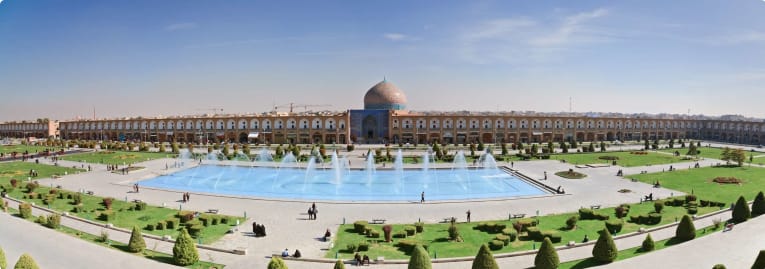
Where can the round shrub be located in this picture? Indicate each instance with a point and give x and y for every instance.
(571, 222)
(54, 221)
(718, 266)
(276, 263)
(554, 236)
(25, 210)
(503, 238)
(419, 259)
(374, 234)
(363, 246)
(352, 247)
(496, 244)
(195, 230)
(454, 232)
(511, 233)
(420, 226)
(26, 262)
(160, 225)
(339, 265)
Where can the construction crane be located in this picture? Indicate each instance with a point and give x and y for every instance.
(214, 110)
(293, 105)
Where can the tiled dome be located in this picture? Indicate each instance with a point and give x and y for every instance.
(385, 95)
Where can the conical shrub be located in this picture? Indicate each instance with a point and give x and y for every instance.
(741, 211)
(419, 259)
(547, 257)
(648, 244)
(685, 230)
(136, 243)
(339, 265)
(277, 263)
(484, 259)
(759, 263)
(184, 250)
(605, 249)
(758, 207)
(718, 266)
(26, 262)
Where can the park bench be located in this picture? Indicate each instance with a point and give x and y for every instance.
(595, 207)
(212, 211)
(378, 221)
(449, 219)
(518, 216)
(89, 192)
(137, 200)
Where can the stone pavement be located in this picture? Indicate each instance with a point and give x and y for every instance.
(287, 225)
(52, 249)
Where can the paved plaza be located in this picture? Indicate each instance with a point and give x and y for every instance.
(288, 226)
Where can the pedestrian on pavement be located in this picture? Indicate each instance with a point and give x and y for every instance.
(422, 197)
(468, 215)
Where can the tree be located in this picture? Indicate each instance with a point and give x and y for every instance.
(174, 147)
(758, 206)
(277, 263)
(574, 145)
(685, 230)
(741, 211)
(547, 257)
(759, 263)
(246, 149)
(738, 156)
(484, 259)
(339, 265)
(648, 244)
(225, 150)
(564, 147)
(184, 250)
(605, 249)
(550, 147)
(534, 149)
(26, 262)
(419, 259)
(602, 146)
(726, 155)
(161, 147)
(136, 241)
(671, 143)
(3, 263)
(647, 145)
(504, 149)
(692, 149)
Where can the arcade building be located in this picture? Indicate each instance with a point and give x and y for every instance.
(385, 118)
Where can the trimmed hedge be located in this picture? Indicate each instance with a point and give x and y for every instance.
(25, 210)
(359, 226)
(496, 244)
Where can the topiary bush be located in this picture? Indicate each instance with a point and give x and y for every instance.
(185, 251)
(605, 250)
(585, 214)
(547, 257)
(571, 222)
(26, 262)
(534, 233)
(276, 263)
(504, 238)
(107, 202)
(363, 246)
(54, 221)
(718, 266)
(107, 215)
(170, 224)
(136, 243)
(554, 236)
(614, 226)
(339, 265)
(741, 211)
(658, 206)
(3, 262)
(25, 210)
(140, 206)
(685, 230)
(454, 233)
(419, 259)
(484, 259)
(420, 226)
(648, 244)
(758, 206)
(511, 233)
(351, 247)
(496, 244)
(360, 226)
(388, 231)
(374, 234)
(410, 230)
(653, 219)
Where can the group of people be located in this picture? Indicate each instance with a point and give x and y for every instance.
(312, 211)
(286, 253)
(186, 197)
(32, 173)
(135, 188)
(360, 260)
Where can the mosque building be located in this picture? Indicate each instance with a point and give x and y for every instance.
(386, 118)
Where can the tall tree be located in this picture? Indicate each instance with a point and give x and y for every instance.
(726, 155)
(758, 206)
(136, 243)
(685, 230)
(739, 156)
(741, 210)
(692, 149)
(759, 263)
(185, 251)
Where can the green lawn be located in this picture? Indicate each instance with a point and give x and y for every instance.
(125, 216)
(149, 253)
(699, 181)
(435, 235)
(626, 158)
(636, 251)
(116, 157)
(713, 153)
(22, 148)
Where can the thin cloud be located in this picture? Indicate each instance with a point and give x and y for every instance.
(528, 39)
(394, 36)
(180, 26)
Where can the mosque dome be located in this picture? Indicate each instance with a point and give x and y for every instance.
(385, 95)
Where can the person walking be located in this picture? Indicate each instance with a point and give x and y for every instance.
(468, 215)
(422, 197)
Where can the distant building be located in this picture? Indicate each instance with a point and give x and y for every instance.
(385, 119)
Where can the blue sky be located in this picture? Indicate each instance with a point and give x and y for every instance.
(60, 59)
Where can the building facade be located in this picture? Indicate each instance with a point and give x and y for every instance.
(385, 119)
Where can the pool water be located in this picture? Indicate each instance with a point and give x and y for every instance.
(347, 185)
